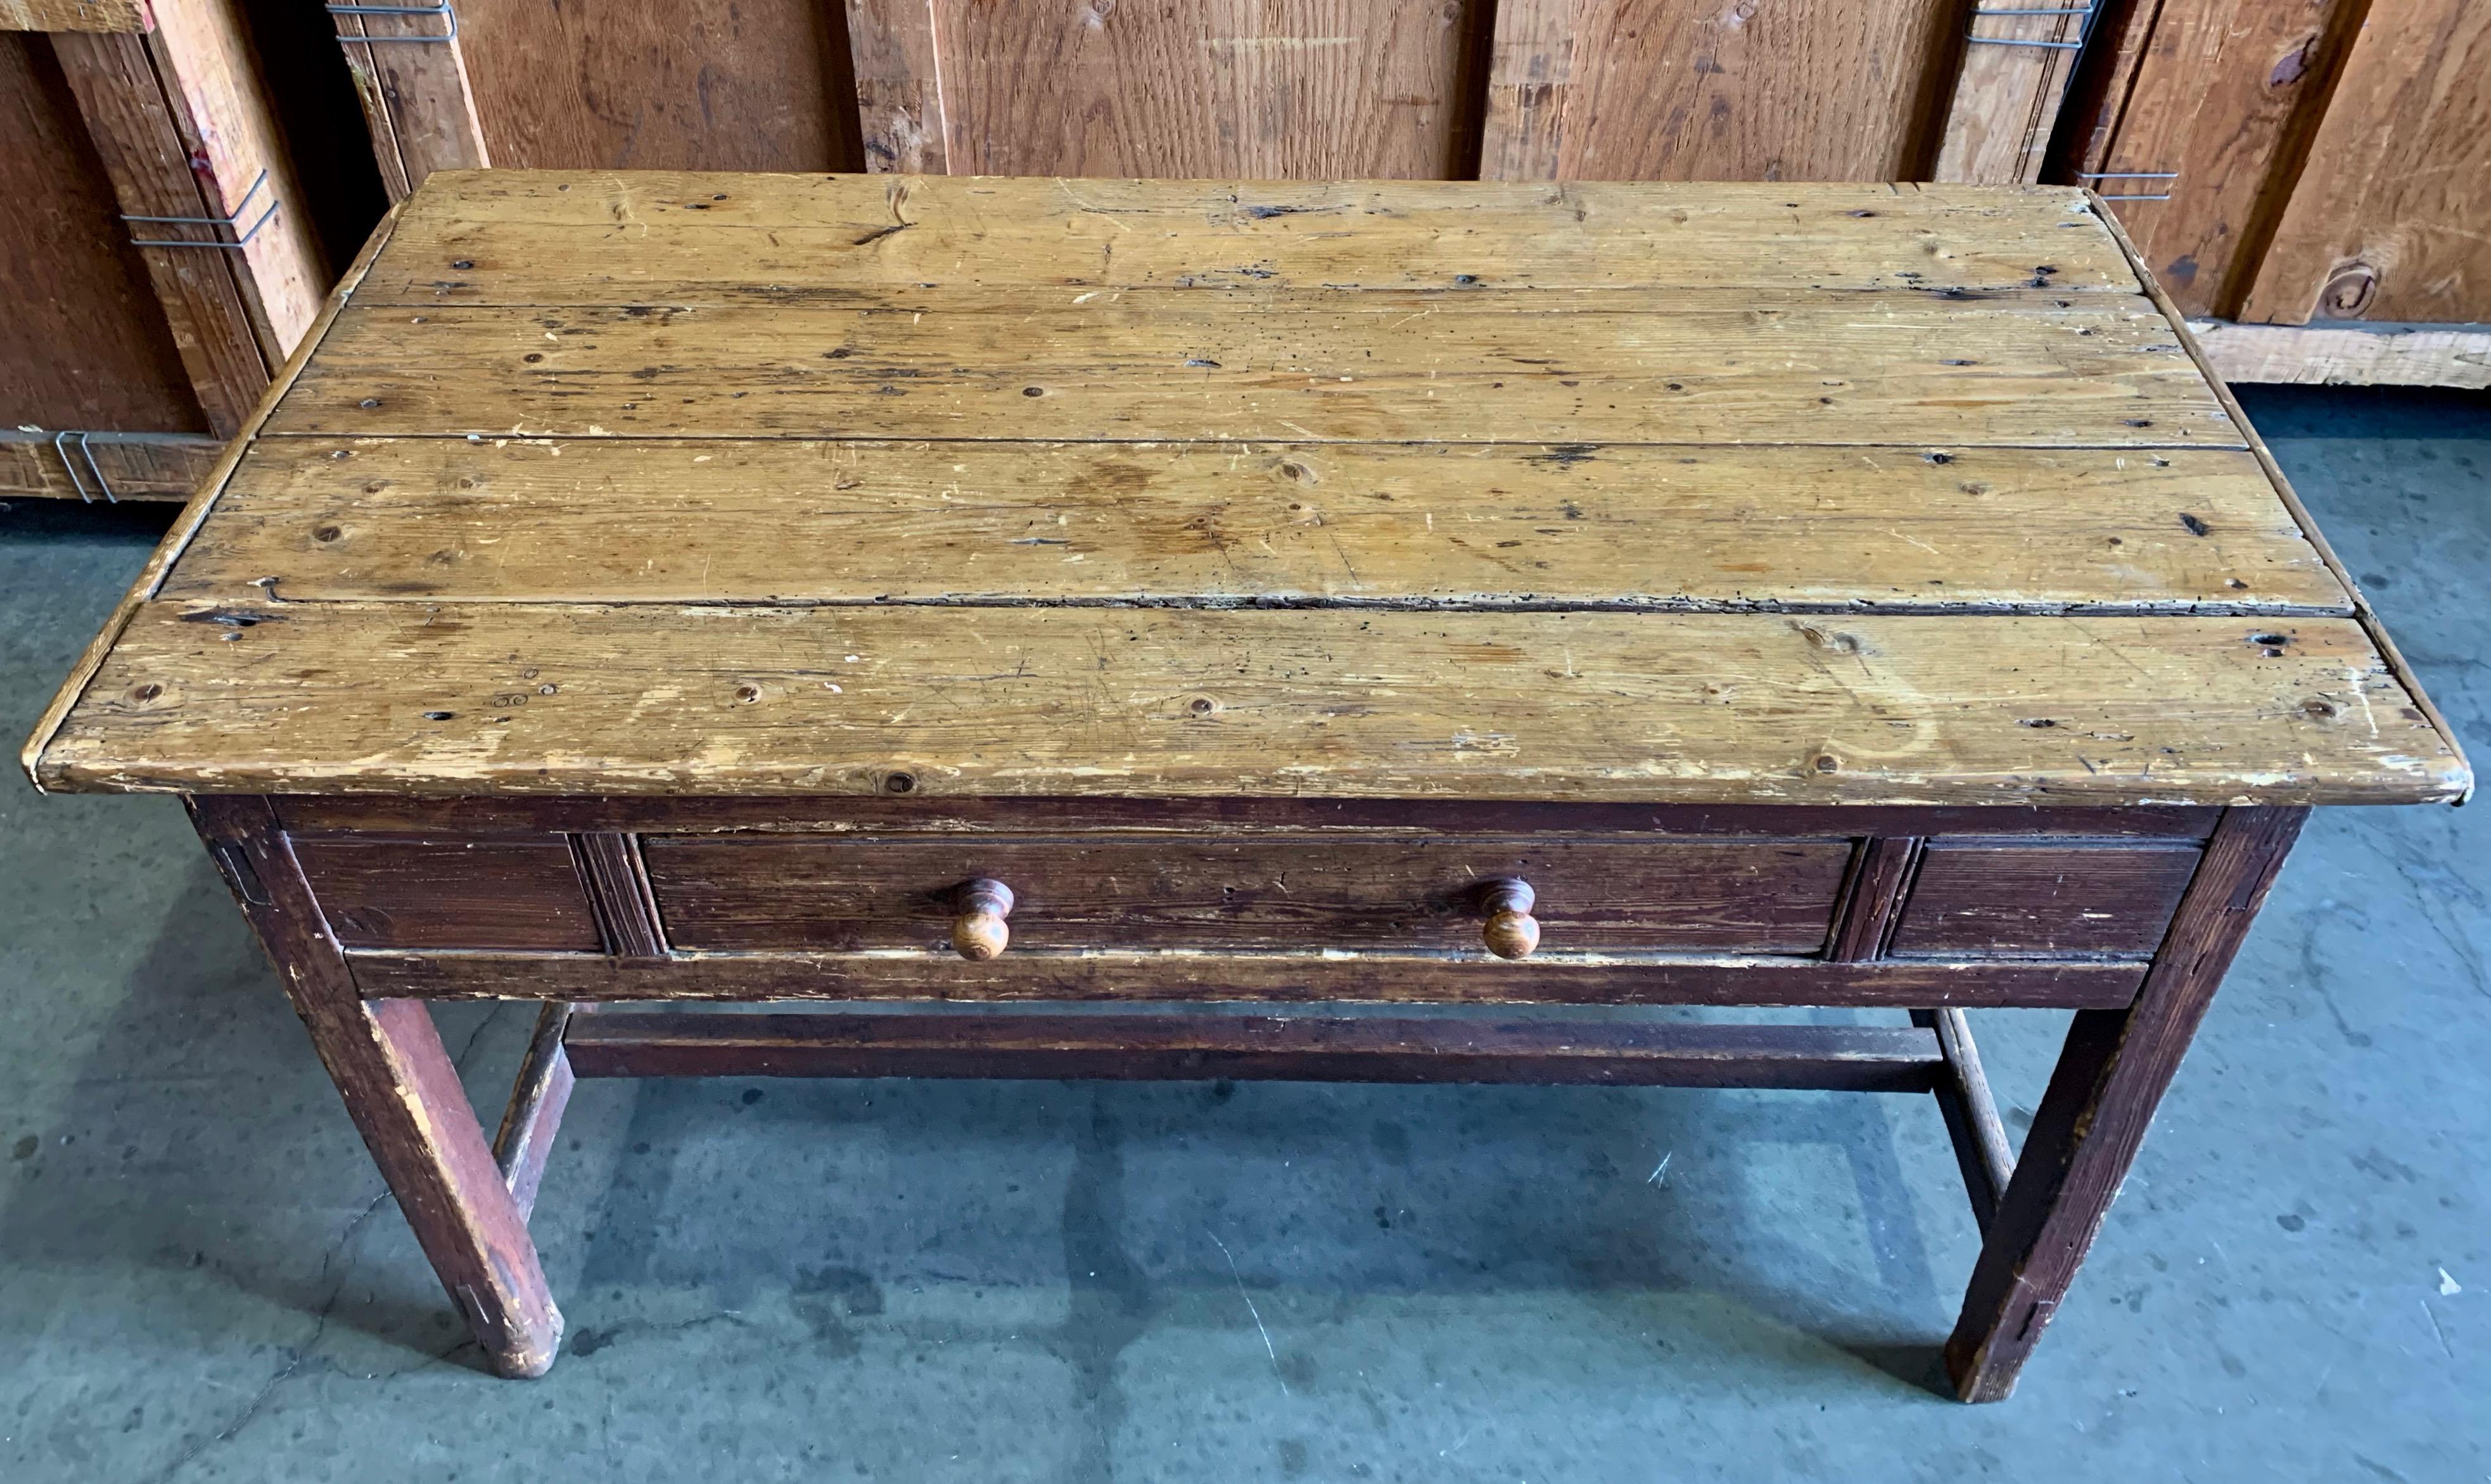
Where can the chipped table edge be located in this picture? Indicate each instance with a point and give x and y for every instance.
(195, 514)
(2362, 612)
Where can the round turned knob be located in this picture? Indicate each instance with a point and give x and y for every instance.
(1510, 931)
(980, 931)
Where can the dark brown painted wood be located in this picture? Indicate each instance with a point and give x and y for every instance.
(1976, 899)
(1472, 979)
(403, 1095)
(1198, 1047)
(1981, 1147)
(534, 1116)
(617, 888)
(1306, 892)
(508, 815)
(1879, 879)
(2101, 1100)
(451, 894)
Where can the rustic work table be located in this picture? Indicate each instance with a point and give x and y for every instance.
(699, 588)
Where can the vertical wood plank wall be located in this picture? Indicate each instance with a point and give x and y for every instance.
(83, 343)
(1747, 90)
(2386, 220)
(1553, 89)
(124, 122)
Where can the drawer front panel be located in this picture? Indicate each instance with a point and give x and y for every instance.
(484, 894)
(1974, 899)
(1325, 891)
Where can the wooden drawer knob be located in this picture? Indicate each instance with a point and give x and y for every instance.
(1510, 931)
(980, 931)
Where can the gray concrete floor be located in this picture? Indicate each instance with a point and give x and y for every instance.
(201, 1278)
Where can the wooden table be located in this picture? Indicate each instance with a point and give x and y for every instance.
(701, 588)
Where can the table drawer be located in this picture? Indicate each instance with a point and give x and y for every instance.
(1269, 891)
(1976, 899)
(451, 894)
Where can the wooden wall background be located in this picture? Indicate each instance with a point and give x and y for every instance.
(2278, 161)
(1510, 89)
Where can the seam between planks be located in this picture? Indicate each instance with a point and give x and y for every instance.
(1223, 603)
(194, 516)
(2362, 613)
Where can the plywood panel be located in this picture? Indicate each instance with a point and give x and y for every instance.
(2388, 221)
(1691, 90)
(83, 343)
(714, 84)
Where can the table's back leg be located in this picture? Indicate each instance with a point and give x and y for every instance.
(2100, 1098)
(403, 1092)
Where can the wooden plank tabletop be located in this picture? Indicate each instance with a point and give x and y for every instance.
(751, 485)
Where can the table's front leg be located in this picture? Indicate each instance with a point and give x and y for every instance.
(2100, 1098)
(404, 1093)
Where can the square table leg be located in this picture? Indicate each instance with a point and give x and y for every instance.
(404, 1093)
(2101, 1099)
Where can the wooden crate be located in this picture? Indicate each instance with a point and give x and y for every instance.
(162, 264)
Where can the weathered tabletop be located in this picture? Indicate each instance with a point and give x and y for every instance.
(754, 484)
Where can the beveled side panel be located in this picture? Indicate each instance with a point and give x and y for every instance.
(1977, 898)
(1267, 892)
(451, 894)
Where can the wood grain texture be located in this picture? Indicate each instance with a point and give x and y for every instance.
(1438, 525)
(2368, 616)
(1809, 90)
(2101, 1100)
(1980, 1147)
(2224, 93)
(714, 84)
(403, 1095)
(132, 466)
(1546, 978)
(1407, 819)
(193, 515)
(1881, 872)
(96, 16)
(1269, 892)
(1296, 1048)
(617, 888)
(2386, 222)
(529, 237)
(418, 97)
(219, 102)
(1974, 900)
(533, 1118)
(2005, 98)
(899, 86)
(1653, 707)
(137, 135)
(1265, 365)
(453, 893)
(2349, 355)
(1274, 89)
(84, 343)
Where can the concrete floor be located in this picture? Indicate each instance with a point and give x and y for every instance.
(200, 1277)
